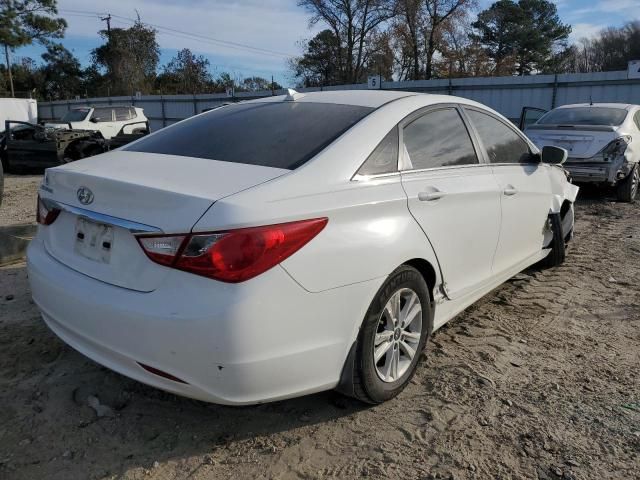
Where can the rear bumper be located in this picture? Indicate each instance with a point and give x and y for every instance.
(261, 340)
(597, 172)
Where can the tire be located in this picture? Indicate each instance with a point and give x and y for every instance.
(558, 248)
(627, 189)
(407, 286)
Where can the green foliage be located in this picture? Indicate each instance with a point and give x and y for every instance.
(521, 37)
(186, 73)
(256, 84)
(24, 21)
(319, 65)
(61, 73)
(129, 59)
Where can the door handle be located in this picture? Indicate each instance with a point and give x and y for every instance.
(430, 196)
(510, 190)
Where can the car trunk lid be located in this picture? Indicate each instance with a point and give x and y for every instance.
(106, 199)
(581, 141)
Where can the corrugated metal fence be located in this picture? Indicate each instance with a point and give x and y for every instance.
(505, 94)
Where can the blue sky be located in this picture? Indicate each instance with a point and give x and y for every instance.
(274, 25)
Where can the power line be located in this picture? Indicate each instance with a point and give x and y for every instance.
(190, 35)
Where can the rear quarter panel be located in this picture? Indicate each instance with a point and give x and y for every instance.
(370, 230)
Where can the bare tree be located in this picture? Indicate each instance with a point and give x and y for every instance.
(411, 25)
(439, 11)
(353, 23)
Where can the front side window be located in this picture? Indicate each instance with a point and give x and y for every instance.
(637, 119)
(438, 139)
(502, 143)
(584, 116)
(269, 134)
(102, 115)
(384, 159)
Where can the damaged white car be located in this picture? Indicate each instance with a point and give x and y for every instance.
(603, 141)
(293, 244)
(109, 120)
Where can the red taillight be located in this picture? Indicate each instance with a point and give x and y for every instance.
(45, 214)
(235, 255)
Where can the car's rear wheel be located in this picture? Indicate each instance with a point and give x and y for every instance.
(627, 189)
(392, 337)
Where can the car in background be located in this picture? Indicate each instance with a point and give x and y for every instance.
(603, 141)
(109, 121)
(293, 244)
(85, 132)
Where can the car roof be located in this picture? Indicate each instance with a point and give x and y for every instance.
(625, 106)
(361, 98)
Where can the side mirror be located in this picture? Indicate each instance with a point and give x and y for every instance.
(94, 119)
(554, 155)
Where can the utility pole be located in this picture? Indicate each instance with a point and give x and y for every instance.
(6, 55)
(108, 20)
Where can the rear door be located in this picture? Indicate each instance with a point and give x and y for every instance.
(453, 196)
(524, 185)
(103, 120)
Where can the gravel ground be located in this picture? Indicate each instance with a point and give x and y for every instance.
(19, 199)
(538, 380)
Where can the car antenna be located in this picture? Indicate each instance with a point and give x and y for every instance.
(292, 95)
(590, 100)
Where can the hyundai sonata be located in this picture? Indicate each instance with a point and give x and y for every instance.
(293, 244)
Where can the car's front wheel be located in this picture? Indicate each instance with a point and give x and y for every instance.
(392, 337)
(627, 189)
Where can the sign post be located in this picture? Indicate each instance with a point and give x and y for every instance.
(374, 82)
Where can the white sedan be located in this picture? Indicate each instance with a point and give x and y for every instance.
(293, 244)
(603, 140)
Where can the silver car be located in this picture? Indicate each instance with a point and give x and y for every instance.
(603, 141)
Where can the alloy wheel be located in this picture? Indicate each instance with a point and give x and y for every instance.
(398, 335)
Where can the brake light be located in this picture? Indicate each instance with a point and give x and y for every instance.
(232, 256)
(46, 214)
(617, 146)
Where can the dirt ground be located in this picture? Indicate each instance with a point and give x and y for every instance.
(539, 380)
(19, 199)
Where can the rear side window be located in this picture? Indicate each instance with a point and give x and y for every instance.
(270, 134)
(384, 159)
(438, 139)
(502, 143)
(123, 113)
(636, 118)
(103, 114)
(584, 116)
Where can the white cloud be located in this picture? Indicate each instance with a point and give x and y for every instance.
(583, 30)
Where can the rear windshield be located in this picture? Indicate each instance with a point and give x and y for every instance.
(75, 115)
(584, 116)
(281, 135)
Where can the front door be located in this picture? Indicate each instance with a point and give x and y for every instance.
(454, 198)
(525, 190)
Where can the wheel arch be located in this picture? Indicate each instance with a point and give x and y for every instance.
(427, 271)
